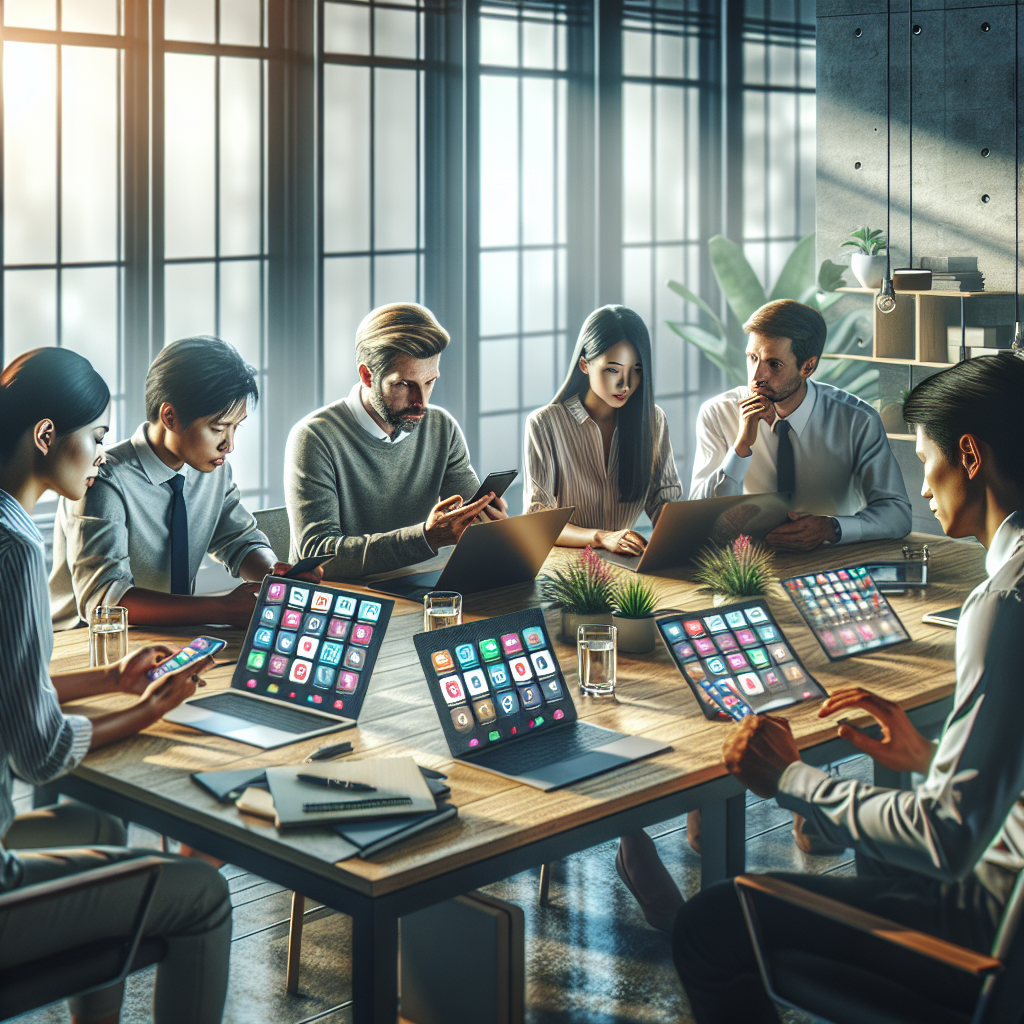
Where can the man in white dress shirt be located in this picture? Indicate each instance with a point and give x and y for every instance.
(785, 433)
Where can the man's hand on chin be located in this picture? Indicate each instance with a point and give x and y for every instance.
(801, 533)
(758, 751)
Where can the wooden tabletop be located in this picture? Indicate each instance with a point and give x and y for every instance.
(495, 814)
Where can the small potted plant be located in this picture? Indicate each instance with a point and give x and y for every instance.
(735, 570)
(635, 601)
(868, 262)
(584, 591)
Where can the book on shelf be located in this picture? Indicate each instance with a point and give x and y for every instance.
(949, 264)
(973, 352)
(981, 337)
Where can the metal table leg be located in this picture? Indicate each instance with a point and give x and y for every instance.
(374, 967)
(722, 837)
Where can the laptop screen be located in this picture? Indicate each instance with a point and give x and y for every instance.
(312, 645)
(494, 681)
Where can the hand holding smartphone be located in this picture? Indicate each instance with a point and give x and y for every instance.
(304, 565)
(198, 649)
(497, 482)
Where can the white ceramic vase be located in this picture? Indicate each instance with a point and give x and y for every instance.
(571, 622)
(869, 270)
(636, 636)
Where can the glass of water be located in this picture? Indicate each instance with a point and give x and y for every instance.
(595, 659)
(108, 634)
(441, 608)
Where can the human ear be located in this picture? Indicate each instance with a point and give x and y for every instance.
(584, 367)
(970, 455)
(365, 377)
(168, 417)
(42, 436)
(808, 368)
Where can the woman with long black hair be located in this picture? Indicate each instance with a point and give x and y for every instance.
(602, 444)
(53, 418)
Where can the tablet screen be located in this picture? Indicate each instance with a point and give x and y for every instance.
(737, 653)
(845, 611)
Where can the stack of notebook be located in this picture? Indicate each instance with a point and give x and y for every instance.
(954, 273)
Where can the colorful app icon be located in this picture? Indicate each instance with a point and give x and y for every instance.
(705, 647)
(831, 641)
(291, 619)
(736, 620)
(717, 667)
(347, 681)
(314, 624)
(462, 719)
(330, 653)
(270, 616)
(737, 661)
(558, 715)
(551, 688)
(866, 632)
(694, 627)
(793, 673)
(273, 688)
(263, 638)
(475, 682)
(780, 653)
(715, 624)
(510, 644)
(315, 698)
(758, 657)
(324, 676)
(490, 650)
(684, 651)
(307, 647)
(673, 631)
(466, 653)
(746, 638)
(749, 683)
(771, 678)
(499, 676)
(530, 696)
(494, 735)
(338, 705)
(756, 615)
(321, 602)
(369, 611)
(300, 671)
(337, 629)
(451, 689)
(769, 634)
(275, 593)
(361, 634)
(543, 663)
(256, 660)
(534, 638)
(277, 665)
(726, 642)
(848, 637)
(694, 670)
(442, 662)
(355, 658)
(520, 668)
(285, 642)
(484, 711)
(345, 607)
(508, 703)
(298, 597)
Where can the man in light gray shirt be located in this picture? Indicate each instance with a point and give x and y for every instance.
(785, 433)
(163, 499)
(363, 475)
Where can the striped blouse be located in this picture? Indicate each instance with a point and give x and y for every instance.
(565, 466)
(37, 740)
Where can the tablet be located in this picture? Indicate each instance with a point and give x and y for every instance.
(737, 655)
(846, 611)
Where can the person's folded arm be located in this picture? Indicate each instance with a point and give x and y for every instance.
(717, 469)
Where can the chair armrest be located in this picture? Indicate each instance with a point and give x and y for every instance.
(959, 957)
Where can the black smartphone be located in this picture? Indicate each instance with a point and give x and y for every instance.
(497, 482)
(306, 565)
(899, 575)
(197, 649)
(950, 618)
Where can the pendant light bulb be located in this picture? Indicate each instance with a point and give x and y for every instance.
(1018, 339)
(885, 300)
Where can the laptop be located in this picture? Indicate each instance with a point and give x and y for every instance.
(505, 706)
(501, 553)
(684, 527)
(304, 669)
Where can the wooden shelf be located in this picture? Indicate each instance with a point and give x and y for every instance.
(883, 359)
(901, 437)
(939, 292)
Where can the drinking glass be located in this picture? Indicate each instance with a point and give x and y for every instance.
(595, 659)
(441, 608)
(108, 634)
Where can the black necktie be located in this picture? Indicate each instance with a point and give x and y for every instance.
(181, 582)
(787, 469)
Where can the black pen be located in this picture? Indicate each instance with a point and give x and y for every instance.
(319, 780)
(332, 751)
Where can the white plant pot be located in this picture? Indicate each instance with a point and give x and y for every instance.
(869, 270)
(636, 636)
(571, 622)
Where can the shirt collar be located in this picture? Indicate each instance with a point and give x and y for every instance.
(1005, 542)
(366, 421)
(576, 409)
(155, 468)
(798, 418)
(16, 519)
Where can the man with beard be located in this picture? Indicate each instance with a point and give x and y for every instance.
(786, 433)
(364, 475)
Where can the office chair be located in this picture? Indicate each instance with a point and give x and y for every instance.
(891, 974)
(274, 523)
(30, 984)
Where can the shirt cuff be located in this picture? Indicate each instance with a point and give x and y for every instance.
(798, 784)
(852, 529)
(81, 732)
(734, 467)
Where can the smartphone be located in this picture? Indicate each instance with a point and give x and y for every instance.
(908, 573)
(948, 618)
(497, 482)
(306, 565)
(197, 649)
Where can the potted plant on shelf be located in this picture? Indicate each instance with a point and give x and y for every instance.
(737, 570)
(868, 262)
(583, 591)
(635, 601)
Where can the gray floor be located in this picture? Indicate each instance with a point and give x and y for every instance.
(591, 959)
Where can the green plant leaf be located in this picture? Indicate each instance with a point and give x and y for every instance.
(736, 278)
(830, 276)
(797, 275)
(683, 292)
(717, 350)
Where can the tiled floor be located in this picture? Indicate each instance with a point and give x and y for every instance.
(591, 959)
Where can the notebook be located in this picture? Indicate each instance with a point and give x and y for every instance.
(372, 836)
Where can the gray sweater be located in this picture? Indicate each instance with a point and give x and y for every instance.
(366, 500)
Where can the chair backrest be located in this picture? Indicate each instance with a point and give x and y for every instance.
(1002, 1000)
(274, 523)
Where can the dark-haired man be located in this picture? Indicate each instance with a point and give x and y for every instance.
(163, 499)
(944, 856)
(786, 433)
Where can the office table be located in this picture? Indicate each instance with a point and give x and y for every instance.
(504, 827)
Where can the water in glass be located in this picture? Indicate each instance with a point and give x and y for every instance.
(108, 642)
(596, 661)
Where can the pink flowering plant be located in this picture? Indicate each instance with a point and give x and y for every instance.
(584, 587)
(739, 569)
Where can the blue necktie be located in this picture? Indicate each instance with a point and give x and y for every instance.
(181, 581)
(787, 468)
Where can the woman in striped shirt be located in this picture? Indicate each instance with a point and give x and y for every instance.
(602, 444)
(53, 417)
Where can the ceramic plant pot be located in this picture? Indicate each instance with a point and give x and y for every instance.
(571, 622)
(718, 599)
(869, 270)
(636, 636)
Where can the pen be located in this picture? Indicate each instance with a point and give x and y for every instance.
(323, 753)
(319, 780)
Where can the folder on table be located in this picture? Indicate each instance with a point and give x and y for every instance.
(373, 836)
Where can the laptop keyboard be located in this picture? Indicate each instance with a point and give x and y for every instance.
(258, 712)
(545, 748)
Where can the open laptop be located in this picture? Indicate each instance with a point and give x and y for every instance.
(304, 669)
(684, 527)
(500, 553)
(505, 706)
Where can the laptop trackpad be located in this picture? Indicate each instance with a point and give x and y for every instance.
(552, 776)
